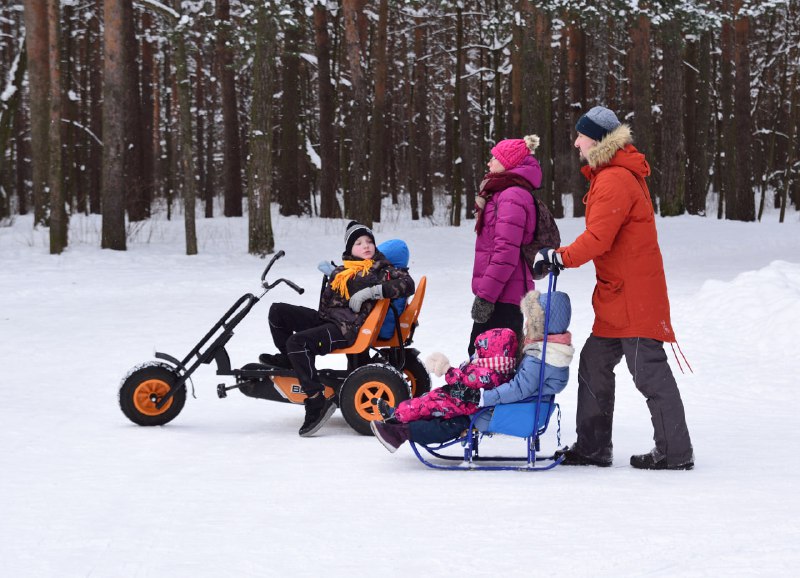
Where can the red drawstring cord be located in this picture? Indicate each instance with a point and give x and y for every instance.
(673, 344)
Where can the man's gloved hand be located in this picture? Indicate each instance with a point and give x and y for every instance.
(482, 310)
(366, 294)
(547, 260)
(326, 268)
(466, 394)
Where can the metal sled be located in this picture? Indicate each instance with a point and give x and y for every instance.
(527, 419)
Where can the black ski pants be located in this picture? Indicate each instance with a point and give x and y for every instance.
(300, 334)
(647, 362)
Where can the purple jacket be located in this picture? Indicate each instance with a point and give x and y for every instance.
(500, 273)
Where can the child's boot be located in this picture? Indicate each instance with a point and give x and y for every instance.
(386, 410)
(391, 435)
(318, 410)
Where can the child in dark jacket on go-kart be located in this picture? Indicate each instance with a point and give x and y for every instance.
(301, 333)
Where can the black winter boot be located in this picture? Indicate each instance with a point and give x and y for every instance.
(572, 457)
(386, 410)
(655, 460)
(318, 410)
(280, 360)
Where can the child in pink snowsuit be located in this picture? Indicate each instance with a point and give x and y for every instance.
(491, 365)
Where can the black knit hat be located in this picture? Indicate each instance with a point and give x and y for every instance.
(354, 231)
(597, 123)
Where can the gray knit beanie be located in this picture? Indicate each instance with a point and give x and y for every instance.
(597, 123)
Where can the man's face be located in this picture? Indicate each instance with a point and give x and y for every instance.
(584, 144)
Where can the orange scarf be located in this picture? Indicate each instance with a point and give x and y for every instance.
(351, 269)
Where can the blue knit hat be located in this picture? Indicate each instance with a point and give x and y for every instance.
(597, 123)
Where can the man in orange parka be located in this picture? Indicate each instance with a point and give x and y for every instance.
(630, 300)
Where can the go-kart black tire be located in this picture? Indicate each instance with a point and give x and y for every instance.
(355, 397)
(417, 376)
(138, 387)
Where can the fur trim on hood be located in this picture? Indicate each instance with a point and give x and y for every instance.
(558, 354)
(604, 151)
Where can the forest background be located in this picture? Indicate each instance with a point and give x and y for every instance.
(333, 109)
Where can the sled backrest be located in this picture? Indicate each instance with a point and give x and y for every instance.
(408, 318)
(368, 331)
(517, 419)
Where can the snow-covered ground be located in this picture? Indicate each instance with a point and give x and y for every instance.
(229, 489)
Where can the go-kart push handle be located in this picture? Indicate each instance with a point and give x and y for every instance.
(277, 256)
(267, 286)
(293, 285)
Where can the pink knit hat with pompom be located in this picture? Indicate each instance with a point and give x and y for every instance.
(510, 152)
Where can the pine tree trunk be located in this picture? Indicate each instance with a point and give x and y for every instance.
(187, 158)
(289, 189)
(232, 165)
(329, 206)
(377, 124)
(576, 61)
(564, 133)
(36, 35)
(137, 204)
(673, 153)
(148, 127)
(640, 91)
(421, 124)
(727, 127)
(697, 120)
(360, 208)
(742, 205)
(96, 67)
(260, 237)
(541, 116)
(456, 160)
(114, 86)
(58, 213)
(9, 119)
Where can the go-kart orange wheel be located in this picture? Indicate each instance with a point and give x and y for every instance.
(143, 388)
(364, 384)
(417, 376)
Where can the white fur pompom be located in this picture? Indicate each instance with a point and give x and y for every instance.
(437, 364)
(532, 141)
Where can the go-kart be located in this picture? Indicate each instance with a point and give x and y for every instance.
(154, 392)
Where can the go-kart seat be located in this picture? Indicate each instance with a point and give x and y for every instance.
(369, 330)
(407, 318)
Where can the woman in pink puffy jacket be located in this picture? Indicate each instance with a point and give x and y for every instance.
(505, 219)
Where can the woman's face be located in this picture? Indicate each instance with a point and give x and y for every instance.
(364, 247)
(584, 144)
(495, 166)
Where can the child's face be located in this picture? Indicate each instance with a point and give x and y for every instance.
(364, 247)
(495, 166)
